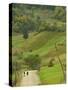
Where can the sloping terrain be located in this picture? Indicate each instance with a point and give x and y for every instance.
(38, 42)
(42, 44)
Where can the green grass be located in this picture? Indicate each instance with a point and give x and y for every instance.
(40, 44)
(43, 44)
(51, 75)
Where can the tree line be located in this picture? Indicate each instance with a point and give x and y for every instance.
(29, 18)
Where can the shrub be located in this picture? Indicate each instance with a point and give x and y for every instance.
(33, 61)
(51, 63)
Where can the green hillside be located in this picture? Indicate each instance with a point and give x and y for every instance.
(38, 42)
(42, 44)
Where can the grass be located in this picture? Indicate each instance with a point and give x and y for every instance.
(43, 44)
(51, 75)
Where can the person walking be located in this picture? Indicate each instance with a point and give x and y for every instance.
(24, 74)
(27, 73)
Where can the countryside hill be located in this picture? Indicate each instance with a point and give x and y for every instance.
(38, 30)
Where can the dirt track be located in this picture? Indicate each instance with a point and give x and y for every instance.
(30, 79)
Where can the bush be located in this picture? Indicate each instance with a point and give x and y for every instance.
(33, 62)
(51, 63)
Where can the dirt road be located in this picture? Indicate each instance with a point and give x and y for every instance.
(29, 79)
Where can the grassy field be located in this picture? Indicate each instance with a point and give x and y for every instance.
(52, 75)
(42, 44)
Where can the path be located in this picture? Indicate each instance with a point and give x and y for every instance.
(30, 79)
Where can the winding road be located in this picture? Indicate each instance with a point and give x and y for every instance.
(30, 78)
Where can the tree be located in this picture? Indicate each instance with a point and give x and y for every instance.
(33, 62)
(25, 34)
(26, 25)
(51, 63)
(60, 13)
